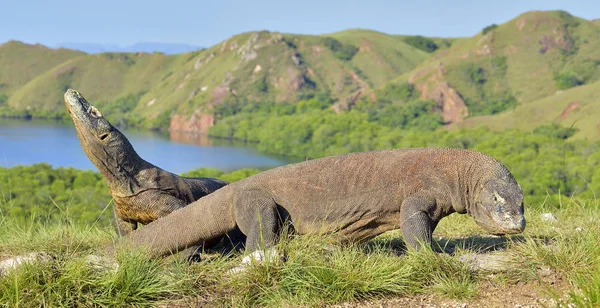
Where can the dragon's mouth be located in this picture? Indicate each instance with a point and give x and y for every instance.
(87, 118)
(78, 105)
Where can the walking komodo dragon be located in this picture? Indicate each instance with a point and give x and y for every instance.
(142, 192)
(355, 196)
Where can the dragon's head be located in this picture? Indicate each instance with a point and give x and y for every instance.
(104, 145)
(499, 206)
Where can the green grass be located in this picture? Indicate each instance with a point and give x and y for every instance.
(317, 270)
(21, 63)
(550, 109)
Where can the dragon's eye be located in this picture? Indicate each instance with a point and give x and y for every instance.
(95, 112)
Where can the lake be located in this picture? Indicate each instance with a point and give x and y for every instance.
(30, 142)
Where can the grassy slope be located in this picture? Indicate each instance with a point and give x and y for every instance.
(381, 57)
(575, 46)
(549, 109)
(21, 63)
(187, 82)
(101, 77)
(193, 84)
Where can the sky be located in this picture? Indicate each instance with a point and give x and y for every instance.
(205, 23)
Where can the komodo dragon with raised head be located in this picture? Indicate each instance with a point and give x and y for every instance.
(142, 192)
(355, 196)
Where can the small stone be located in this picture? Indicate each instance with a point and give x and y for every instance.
(549, 217)
(14, 263)
(259, 256)
(99, 263)
(579, 229)
(486, 262)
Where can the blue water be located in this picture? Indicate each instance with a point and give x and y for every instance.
(30, 142)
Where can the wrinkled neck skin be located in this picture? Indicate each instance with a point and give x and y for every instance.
(115, 158)
(471, 172)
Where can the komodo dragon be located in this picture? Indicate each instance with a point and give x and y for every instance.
(142, 192)
(355, 196)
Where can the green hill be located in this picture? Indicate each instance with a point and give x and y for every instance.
(20, 63)
(528, 58)
(577, 107)
(101, 76)
(265, 66)
(250, 67)
(520, 64)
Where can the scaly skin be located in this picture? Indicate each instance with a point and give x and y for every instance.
(356, 197)
(141, 191)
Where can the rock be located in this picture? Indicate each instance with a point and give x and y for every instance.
(99, 263)
(579, 229)
(296, 59)
(95, 262)
(197, 123)
(449, 101)
(10, 264)
(496, 262)
(258, 257)
(549, 217)
(202, 61)
(247, 51)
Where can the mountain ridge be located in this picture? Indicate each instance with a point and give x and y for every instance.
(502, 68)
(148, 47)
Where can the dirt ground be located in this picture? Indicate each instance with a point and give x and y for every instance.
(531, 294)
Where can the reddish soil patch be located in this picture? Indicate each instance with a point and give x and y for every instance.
(565, 113)
(197, 123)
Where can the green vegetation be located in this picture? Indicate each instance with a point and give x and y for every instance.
(567, 79)
(119, 110)
(42, 194)
(343, 52)
(575, 107)
(226, 176)
(492, 106)
(555, 131)
(424, 43)
(482, 79)
(489, 28)
(399, 107)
